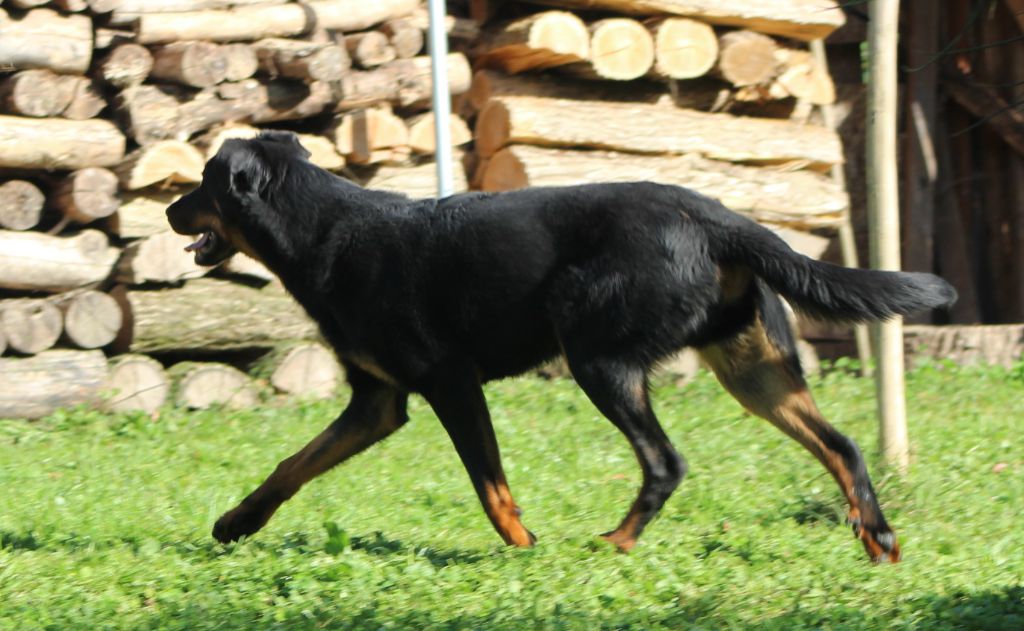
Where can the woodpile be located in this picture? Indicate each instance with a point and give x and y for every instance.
(110, 108)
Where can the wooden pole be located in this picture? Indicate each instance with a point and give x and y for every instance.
(883, 220)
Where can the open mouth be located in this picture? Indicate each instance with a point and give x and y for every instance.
(204, 242)
(210, 249)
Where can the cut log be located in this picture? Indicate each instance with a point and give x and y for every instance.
(369, 49)
(322, 151)
(403, 83)
(488, 84)
(541, 40)
(27, 4)
(243, 265)
(87, 195)
(38, 93)
(195, 63)
(967, 345)
(652, 129)
(175, 6)
(203, 385)
(110, 37)
(86, 99)
(405, 37)
(305, 370)
(39, 262)
(34, 387)
(683, 48)
(295, 59)
(21, 205)
(792, 198)
(802, 77)
(361, 134)
(209, 315)
(91, 318)
(421, 133)
(159, 258)
(126, 65)
(799, 19)
(240, 24)
(242, 61)
(3, 341)
(31, 325)
(136, 382)
(53, 143)
(144, 214)
(165, 161)
(358, 15)
(747, 58)
(417, 182)
(43, 38)
(620, 49)
(71, 6)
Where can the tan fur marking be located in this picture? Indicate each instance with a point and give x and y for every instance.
(504, 514)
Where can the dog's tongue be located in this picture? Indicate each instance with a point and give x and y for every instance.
(199, 243)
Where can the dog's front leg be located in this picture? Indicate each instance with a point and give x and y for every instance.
(458, 400)
(375, 411)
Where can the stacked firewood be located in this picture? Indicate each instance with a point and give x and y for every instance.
(108, 111)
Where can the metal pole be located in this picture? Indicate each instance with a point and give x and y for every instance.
(442, 101)
(883, 218)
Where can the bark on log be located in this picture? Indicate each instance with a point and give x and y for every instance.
(34, 387)
(254, 22)
(405, 37)
(164, 161)
(53, 143)
(91, 318)
(87, 195)
(136, 382)
(242, 61)
(421, 133)
(125, 66)
(21, 205)
(144, 214)
(295, 59)
(747, 58)
(31, 325)
(43, 38)
(799, 19)
(621, 49)
(202, 385)
(159, 258)
(37, 93)
(683, 48)
(361, 135)
(403, 83)
(489, 84)
(792, 198)
(38, 262)
(305, 370)
(417, 182)
(652, 129)
(210, 315)
(369, 49)
(541, 40)
(194, 63)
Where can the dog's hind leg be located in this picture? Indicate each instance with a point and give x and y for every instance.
(759, 367)
(375, 410)
(455, 394)
(619, 391)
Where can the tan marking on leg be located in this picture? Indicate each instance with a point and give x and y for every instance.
(504, 514)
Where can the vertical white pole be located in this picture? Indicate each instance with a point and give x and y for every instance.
(883, 218)
(442, 102)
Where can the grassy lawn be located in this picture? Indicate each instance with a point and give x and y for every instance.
(105, 520)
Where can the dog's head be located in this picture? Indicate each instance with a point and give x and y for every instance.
(230, 209)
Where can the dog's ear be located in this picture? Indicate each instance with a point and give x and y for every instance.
(249, 174)
(286, 138)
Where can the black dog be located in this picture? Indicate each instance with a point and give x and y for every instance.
(439, 296)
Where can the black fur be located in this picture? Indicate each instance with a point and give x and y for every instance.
(438, 296)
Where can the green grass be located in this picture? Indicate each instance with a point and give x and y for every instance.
(105, 520)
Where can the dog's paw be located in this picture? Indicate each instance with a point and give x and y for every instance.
(622, 541)
(239, 522)
(879, 543)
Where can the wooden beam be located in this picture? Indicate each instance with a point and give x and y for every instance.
(986, 104)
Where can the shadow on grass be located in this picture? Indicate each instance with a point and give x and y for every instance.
(380, 545)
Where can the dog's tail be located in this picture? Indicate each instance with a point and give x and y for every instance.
(822, 289)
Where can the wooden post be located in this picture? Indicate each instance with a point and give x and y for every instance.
(883, 218)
